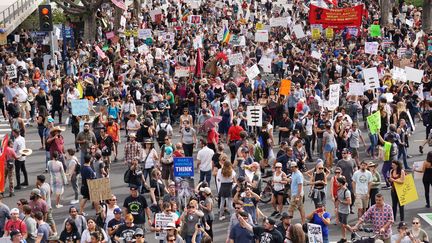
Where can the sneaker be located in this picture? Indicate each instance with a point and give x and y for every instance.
(427, 206)
(274, 213)
(74, 202)
(409, 156)
(221, 218)
(421, 149)
(386, 187)
(59, 206)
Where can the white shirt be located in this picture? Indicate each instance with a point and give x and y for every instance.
(205, 156)
(74, 95)
(168, 129)
(19, 144)
(22, 94)
(362, 180)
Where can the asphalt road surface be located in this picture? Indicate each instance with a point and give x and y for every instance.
(36, 165)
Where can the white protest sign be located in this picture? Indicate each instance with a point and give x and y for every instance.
(389, 97)
(399, 74)
(281, 21)
(122, 21)
(11, 71)
(356, 89)
(409, 23)
(181, 71)
(220, 35)
(219, 4)
(371, 48)
(235, 59)
(143, 49)
(418, 166)
(144, 34)
(414, 74)
(254, 116)
(316, 55)
(333, 101)
(314, 233)
(161, 221)
(168, 37)
(298, 31)
(261, 36)
(265, 63)
(371, 78)
(197, 42)
(252, 72)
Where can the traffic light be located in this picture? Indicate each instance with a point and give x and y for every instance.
(45, 18)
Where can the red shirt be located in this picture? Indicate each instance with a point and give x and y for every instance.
(234, 132)
(212, 134)
(113, 131)
(16, 225)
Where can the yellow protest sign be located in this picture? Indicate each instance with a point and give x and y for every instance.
(3, 39)
(374, 122)
(316, 33)
(406, 191)
(329, 33)
(285, 87)
(259, 26)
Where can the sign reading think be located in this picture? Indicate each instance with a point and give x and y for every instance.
(80, 107)
(100, 189)
(254, 116)
(406, 191)
(183, 167)
(235, 59)
(314, 233)
(374, 122)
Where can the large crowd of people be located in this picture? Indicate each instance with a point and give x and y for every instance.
(168, 84)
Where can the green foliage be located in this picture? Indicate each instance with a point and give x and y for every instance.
(59, 16)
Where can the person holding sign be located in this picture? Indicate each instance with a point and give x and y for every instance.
(427, 176)
(397, 175)
(390, 154)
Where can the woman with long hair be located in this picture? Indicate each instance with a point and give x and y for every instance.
(376, 182)
(107, 210)
(329, 145)
(334, 187)
(70, 233)
(157, 187)
(149, 158)
(397, 175)
(93, 229)
(57, 177)
(300, 154)
(226, 176)
(296, 234)
(41, 121)
(318, 183)
(427, 176)
(227, 117)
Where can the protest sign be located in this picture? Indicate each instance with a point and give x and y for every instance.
(329, 32)
(252, 72)
(337, 17)
(285, 87)
(418, 166)
(198, 42)
(235, 59)
(371, 48)
(143, 49)
(261, 36)
(406, 191)
(254, 116)
(109, 35)
(183, 166)
(100, 53)
(181, 71)
(333, 101)
(265, 63)
(356, 89)
(195, 19)
(168, 37)
(414, 74)
(314, 233)
(259, 26)
(11, 71)
(316, 33)
(236, 40)
(144, 34)
(371, 78)
(375, 30)
(388, 96)
(298, 31)
(399, 74)
(80, 107)
(353, 31)
(161, 221)
(155, 13)
(281, 21)
(100, 189)
(401, 52)
(374, 122)
(402, 63)
(426, 217)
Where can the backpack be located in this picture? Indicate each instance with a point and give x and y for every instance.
(126, 176)
(162, 133)
(77, 167)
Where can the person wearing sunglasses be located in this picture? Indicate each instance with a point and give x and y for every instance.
(139, 236)
(417, 232)
(127, 230)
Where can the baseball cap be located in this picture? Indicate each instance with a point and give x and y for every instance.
(133, 187)
(402, 225)
(293, 164)
(50, 119)
(117, 211)
(285, 215)
(278, 165)
(346, 150)
(14, 210)
(36, 192)
(139, 231)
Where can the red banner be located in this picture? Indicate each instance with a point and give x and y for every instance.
(4, 144)
(338, 18)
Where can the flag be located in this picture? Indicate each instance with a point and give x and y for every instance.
(226, 35)
(199, 64)
(3, 162)
(80, 89)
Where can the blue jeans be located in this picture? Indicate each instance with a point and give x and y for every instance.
(205, 175)
(403, 152)
(188, 238)
(386, 171)
(325, 239)
(374, 142)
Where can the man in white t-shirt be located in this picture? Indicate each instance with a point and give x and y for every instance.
(204, 161)
(361, 184)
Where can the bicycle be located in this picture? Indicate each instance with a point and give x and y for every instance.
(357, 238)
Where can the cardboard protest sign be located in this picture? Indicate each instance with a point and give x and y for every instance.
(402, 63)
(144, 34)
(80, 107)
(375, 30)
(356, 89)
(235, 59)
(371, 78)
(195, 19)
(406, 192)
(261, 36)
(414, 74)
(252, 72)
(371, 48)
(265, 63)
(254, 116)
(374, 122)
(337, 17)
(181, 71)
(298, 31)
(100, 189)
(285, 87)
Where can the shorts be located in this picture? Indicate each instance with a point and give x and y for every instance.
(361, 201)
(354, 153)
(296, 204)
(25, 106)
(85, 192)
(343, 218)
(50, 219)
(167, 171)
(277, 193)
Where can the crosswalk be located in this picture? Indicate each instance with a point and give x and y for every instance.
(4, 127)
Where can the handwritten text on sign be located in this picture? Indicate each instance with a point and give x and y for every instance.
(235, 59)
(406, 192)
(314, 233)
(161, 221)
(254, 116)
(100, 189)
(80, 107)
(374, 122)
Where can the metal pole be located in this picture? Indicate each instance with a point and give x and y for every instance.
(50, 33)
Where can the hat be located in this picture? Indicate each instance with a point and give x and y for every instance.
(225, 102)
(170, 225)
(133, 187)
(14, 210)
(148, 140)
(346, 150)
(50, 119)
(285, 215)
(132, 135)
(402, 225)
(363, 162)
(13, 233)
(36, 192)
(270, 221)
(207, 190)
(372, 164)
(117, 211)
(278, 165)
(245, 150)
(58, 128)
(139, 231)
(293, 164)
(133, 114)
(172, 183)
(25, 152)
(110, 117)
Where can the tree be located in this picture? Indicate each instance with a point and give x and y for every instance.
(87, 9)
(427, 16)
(386, 7)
